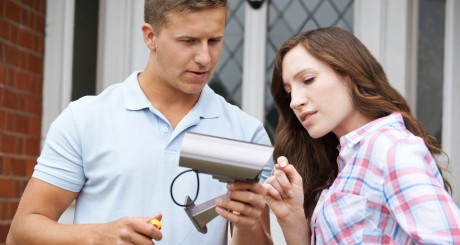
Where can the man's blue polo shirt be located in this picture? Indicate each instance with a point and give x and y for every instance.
(121, 154)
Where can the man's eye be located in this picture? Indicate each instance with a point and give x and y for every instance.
(187, 40)
(214, 41)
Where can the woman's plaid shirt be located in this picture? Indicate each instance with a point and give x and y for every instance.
(388, 191)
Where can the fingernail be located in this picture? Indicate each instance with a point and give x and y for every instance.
(218, 201)
(283, 164)
(230, 186)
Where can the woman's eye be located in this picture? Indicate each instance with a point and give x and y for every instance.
(309, 80)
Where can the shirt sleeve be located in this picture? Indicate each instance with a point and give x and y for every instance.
(60, 162)
(416, 197)
(261, 137)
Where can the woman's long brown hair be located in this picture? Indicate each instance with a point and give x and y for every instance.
(372, 95)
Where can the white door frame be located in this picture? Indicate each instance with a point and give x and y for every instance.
(254, 64)
(451, 111)
(57, 78)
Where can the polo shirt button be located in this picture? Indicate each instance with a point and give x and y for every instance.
(165, 129)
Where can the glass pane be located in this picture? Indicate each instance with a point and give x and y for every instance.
(228, 76)
(286, 18)
(85, 48)
(431, 66)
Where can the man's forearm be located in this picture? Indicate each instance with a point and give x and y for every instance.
(37, 229)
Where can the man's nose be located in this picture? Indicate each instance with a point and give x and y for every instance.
(203, 57)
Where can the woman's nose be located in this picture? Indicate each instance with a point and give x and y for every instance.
(297, 100)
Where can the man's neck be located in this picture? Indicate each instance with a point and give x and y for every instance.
(173, 104)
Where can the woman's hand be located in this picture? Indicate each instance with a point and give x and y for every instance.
(285, 198)
(284, 190)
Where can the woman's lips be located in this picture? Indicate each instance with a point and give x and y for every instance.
(306, 117)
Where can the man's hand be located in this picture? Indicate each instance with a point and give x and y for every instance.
(245, 205)
(129, 230)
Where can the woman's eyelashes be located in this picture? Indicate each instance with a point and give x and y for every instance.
(309, 80)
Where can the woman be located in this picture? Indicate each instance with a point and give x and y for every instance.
(362, 166)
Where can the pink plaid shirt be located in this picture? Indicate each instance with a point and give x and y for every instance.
(388, 191)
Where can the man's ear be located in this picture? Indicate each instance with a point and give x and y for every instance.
(149, 36)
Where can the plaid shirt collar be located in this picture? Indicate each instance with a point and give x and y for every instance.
(356, 136)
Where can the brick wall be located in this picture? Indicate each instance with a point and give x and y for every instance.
(22, 27)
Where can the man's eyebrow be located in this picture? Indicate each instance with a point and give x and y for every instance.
(218, 36)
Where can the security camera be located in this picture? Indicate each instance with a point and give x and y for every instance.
(227, 160)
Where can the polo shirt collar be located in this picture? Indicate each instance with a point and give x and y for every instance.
(135, 98)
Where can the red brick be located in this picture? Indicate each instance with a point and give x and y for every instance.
(40, 23)
(35, 105)
(2, 121)
(31, 146)
(2, 54)
(22, 124)
(20, 186)
(41, 6)
(11, 55)
(26, 16)
(38, 82)
(3, 70)
(5, 165)
(30, 167)
(22, 105)
(39, 45)
(3, 210)
(35, 64)
(23, 60)
(13, 11)
(4, 29)
(34, 126)
(18, 168)
(10, 99)
(9, 144)
(10, 121)
(13, 207)
(7, 188)
(2, 7)
(23, 82)
(19, 145)
(4, 228)
(13, 35)
(26, 38)
(29, 3)
(9, 77)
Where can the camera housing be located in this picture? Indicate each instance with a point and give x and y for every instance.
(227, 160)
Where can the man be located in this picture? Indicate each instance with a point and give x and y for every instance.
(117, 153)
